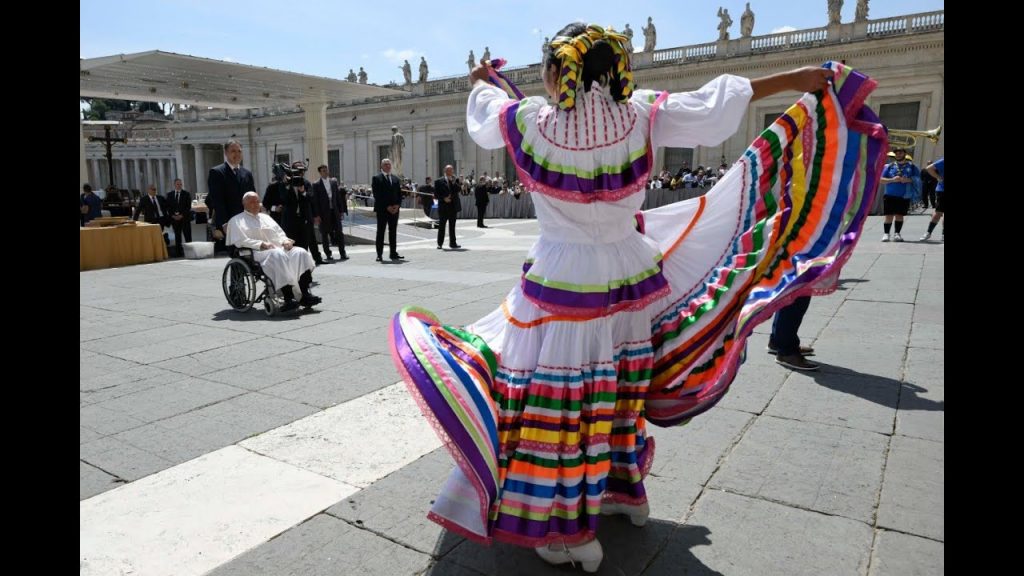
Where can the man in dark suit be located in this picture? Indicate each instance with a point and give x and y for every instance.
(298, 211)
(179, 206)
(446, 190)
(89, 204)
(273, 200)
(153, 209)
(227, 183)
(387, 200)
(328, 206)
(426, 196)
(483, 188)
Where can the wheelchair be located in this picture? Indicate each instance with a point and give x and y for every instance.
(239, 282)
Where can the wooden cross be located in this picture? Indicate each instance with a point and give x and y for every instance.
(108, 141)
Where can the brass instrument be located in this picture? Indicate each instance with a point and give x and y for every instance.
(908, 138)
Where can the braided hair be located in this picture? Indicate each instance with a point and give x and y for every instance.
(587, 53)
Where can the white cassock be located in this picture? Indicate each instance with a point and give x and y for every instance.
(282, 266)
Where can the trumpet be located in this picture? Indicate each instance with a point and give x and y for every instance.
(908, 138)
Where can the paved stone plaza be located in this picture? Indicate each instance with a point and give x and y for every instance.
(240, 445)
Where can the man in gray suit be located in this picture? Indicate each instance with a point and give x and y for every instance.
(446, 191)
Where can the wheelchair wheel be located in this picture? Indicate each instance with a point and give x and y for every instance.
(239, 285)
(272, 301)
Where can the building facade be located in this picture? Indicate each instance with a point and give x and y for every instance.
(905, 54)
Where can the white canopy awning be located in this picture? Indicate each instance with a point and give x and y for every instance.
(157, 76)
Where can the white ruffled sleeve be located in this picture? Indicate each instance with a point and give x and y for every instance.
(482, 115)
(704, 117)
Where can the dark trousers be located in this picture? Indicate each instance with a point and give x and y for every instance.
(929, 198)
(306, 238)
(446, 218)
(163, 222)
(181, 228)
(786, 325)
(480, 210)
(330, 231)
(390, 221)
(304, 281)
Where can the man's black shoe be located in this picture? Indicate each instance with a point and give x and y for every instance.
(796, 362)
(804, 350)
(397, 256)
(289, 306)
(308, 301)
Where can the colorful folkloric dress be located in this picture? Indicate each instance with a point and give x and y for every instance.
(623, 318)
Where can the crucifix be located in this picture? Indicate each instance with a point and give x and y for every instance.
(108, 141)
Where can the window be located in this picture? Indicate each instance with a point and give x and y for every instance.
(382, 153)
(283, 158)
(676, 158)
(769, 118)
(446, 156)
(901, 116)
(334, 163)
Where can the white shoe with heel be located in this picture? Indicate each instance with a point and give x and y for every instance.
(587, 555)
(637, 513)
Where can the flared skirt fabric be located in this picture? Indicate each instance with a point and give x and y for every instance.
(546, 414)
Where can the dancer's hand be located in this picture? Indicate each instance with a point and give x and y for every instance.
(480, 72)
(810, 78)
(806, 79)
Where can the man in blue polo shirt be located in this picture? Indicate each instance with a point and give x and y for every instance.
(900, 178)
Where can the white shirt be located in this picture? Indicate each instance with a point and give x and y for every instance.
(327, 186)
(156, 202)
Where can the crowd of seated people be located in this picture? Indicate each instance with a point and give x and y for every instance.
(685, 177)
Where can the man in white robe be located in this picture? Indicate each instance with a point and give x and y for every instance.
(286, 265)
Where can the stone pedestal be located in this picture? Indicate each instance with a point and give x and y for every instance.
(642, 59)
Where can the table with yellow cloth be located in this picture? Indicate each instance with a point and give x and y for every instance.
(113, 246)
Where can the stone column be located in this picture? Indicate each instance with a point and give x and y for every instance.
(315, 115)
(348, 160)
(129, 173)
(104, 173)
(90, 174)
(458, 149)
(82, 170)
(409, 162)
(201, 170)
(164, 184)
(178, 168)
(124, 173)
